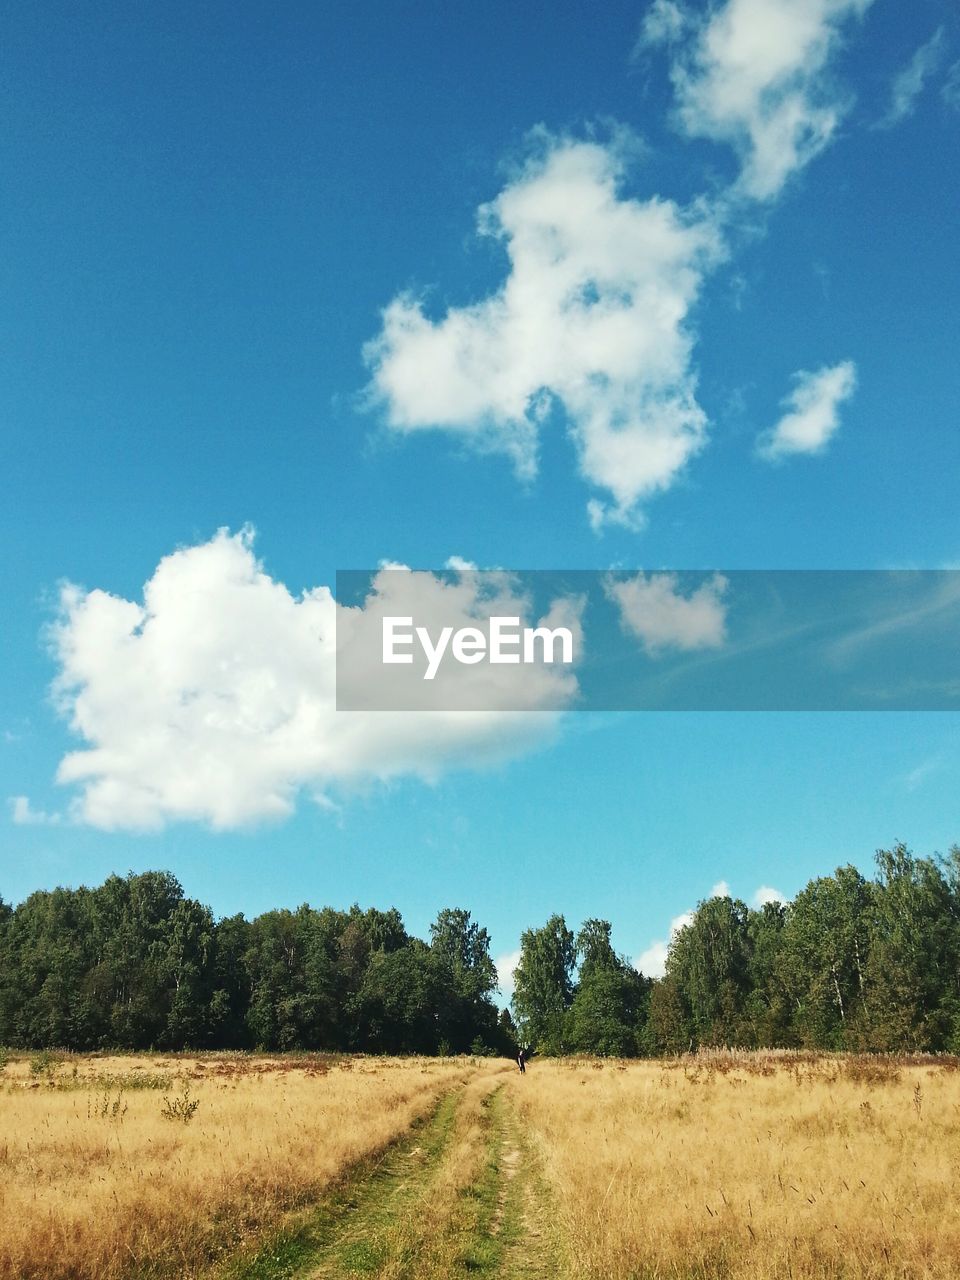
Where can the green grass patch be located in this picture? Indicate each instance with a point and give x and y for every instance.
(487, 1200)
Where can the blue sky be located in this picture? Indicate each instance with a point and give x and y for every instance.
(206, 213)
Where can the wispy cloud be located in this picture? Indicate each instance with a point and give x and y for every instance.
(942, 599)
(812, 416)
(909, 83)
(951, 87)
(917, 776)
(665, 22)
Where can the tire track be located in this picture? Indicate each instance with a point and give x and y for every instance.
(462, 1196)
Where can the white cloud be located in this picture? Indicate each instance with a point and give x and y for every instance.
(23, 814)
(755, 75)
(506, 965)
(767, 894)
(459, 564)
(214, 699)
(654, 610)
(652, 962)
(593, 314)
(908, 84)
(812, 417)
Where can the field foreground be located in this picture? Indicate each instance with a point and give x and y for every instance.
(753, 1165)
(252, 1168)
(99, 1181)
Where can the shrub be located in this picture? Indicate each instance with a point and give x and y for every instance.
(182, 1107)
(102, 1108)
(45, 1062)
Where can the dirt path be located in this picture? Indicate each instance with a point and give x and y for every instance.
(463, 1196)
(533, 1251)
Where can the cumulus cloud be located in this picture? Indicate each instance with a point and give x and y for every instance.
(909, 83)
(506, 966)
(213, 700)
(812, 416)
(654, 609)
(755, 74)
(766, 894)
(653, 960)
(593, 316)
(23, 814)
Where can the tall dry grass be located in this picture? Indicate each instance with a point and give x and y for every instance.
(762, 1166)
(96, 1183)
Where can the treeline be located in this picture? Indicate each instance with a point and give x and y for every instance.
(851, 963)
(134, 964)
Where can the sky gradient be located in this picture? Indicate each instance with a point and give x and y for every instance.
(674, 288)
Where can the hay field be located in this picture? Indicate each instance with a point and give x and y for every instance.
(98, 1181)
(718, 1167)
(756, 1165)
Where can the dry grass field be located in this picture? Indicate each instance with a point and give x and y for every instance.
(97, 1182)
(723, 1167)
(764, 1166)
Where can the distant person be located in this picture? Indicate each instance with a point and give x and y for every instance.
(522, 1062)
